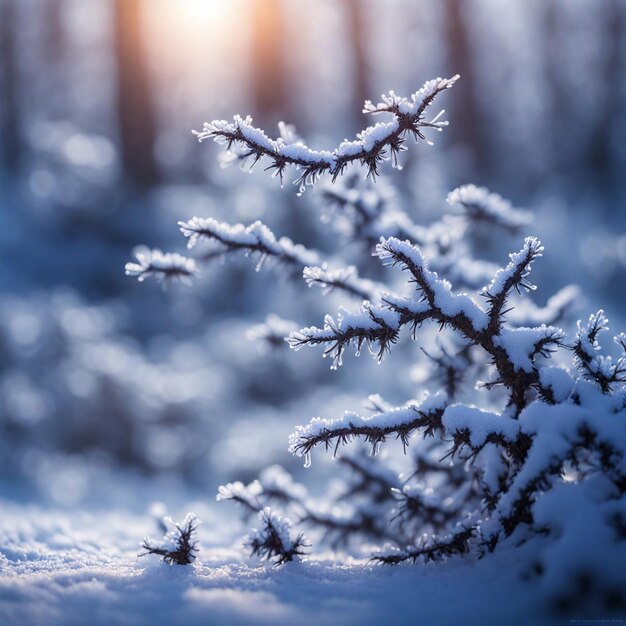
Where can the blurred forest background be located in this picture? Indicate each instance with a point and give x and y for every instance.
(97, 101)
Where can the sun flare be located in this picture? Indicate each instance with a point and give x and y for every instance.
(202, 10)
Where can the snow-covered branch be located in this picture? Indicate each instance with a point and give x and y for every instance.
(256, 239)
(377, 143)
(164, 266)
(430, 549)
(272, 332)
(601, 369)
(345, 279)
(512, 351)
(274, 539)
(450, 370)
(480, 206)
(513, 276)
(399, 423)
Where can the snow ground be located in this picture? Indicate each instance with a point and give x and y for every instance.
(62, 567)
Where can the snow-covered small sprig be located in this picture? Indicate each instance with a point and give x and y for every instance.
(429, 549)
(377, 143)
(375, 326)
(248, 496)
(513, 276)
(256, 239)
(450, 369)
(164, 266)
(425, 506)
(587, 358)
(274, 485)
(259, 241)
(179, 546)
(559, 308)
(274, 540)
(479, 205)
(365, 210)
(396, 423)
(345, 279)
(355, 204)
(273, 332)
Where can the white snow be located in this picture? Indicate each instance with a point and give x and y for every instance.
(479, 423)
(558, 380)
(63, 568)
(520, 343)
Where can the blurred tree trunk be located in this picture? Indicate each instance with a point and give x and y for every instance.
(558, 100)
(612, 75)
(54, 35)
(10, 145)
(594, 157)
(134, 96)
(468, 126)
(269, 70)
(54, 83)
(358, 36)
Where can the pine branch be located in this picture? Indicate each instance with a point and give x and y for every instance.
(432, 549)
(473, 429)
(179, 546)
(344, 279)
(424, 508)
(163, 266)
(512, 351)
(248, 496)
(256, 239)
(274, 539)
(480, 207)
(373, 325)
(513, 276)
(274, 486)
(380, 324)
(587, 358)
(559, 308)
(399, 423)
(450, 370)
(370, 477)
(372, 146)
(564, 440)
(366, 521)
(272, 332)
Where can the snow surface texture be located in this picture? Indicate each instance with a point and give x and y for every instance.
(63, 567)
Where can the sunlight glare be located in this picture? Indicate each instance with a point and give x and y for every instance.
(202, 10)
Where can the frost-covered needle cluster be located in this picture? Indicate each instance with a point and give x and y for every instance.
(164, 266)
(179, 546)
